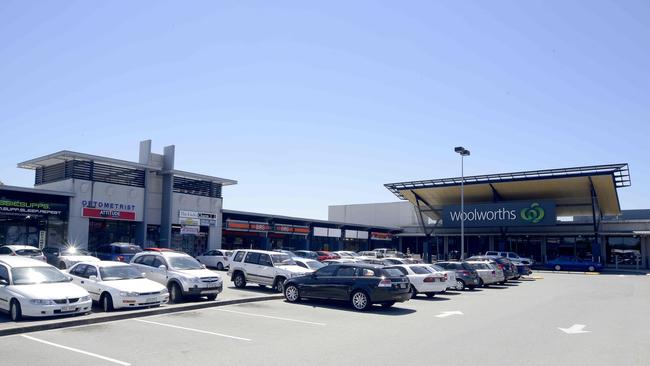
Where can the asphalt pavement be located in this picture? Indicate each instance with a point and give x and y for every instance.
(559, 319)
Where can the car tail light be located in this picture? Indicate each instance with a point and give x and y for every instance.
(120, 258)
(500, 266)
(13, 253)
(446, 278)
(430, 279)
(385, 283)
(494, 273)
(467, 273)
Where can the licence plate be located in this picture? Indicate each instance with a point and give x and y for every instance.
(403, 285)
(212, 284)
(151, 299)
(68, 308)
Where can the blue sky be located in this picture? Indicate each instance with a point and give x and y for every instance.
(309, 104)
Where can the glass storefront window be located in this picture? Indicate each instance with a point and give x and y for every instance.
(101, 232)
(570, 246)
(623, 250)
(526, 246)
(190, 244)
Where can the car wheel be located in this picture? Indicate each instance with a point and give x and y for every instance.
(240, 280)
(279, 285)
(212, 297)
(62, 265)
(15, 311)
(557, 267)
(460, 285)
(175, 294)
(107, 303)
(388, 304)
(291, 293)
(414, 292)
(360, 300)
(480, 282)
(431, 294)
(220, 266)
(591, 269)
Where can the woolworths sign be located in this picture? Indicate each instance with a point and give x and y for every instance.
(519, 213)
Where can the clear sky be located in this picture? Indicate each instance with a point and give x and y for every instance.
(309, 104)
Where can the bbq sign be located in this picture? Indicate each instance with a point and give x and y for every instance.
(519, 213)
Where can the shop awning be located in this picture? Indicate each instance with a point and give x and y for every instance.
(570, 188)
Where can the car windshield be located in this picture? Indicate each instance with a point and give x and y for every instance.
(37, 275)
(437, 268)
(183, 262)
(28, 252)
(420, 270)
(74, 251)
(282, 260)
(128, 249)
(393, 272)
(315, 264)
(113, 273)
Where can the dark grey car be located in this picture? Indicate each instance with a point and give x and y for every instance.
(466, 276)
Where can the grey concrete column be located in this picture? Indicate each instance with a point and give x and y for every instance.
(445, 247)
(168, 188)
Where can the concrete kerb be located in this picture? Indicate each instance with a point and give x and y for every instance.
(603, 272)
(77, 321)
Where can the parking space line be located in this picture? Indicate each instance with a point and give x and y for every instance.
(78, 351)
(270, 317)
(193, 330)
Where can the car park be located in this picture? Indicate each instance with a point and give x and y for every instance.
(156, 249)
(466, 276)
(310, 264)
(23, 251)
(264, 268)
(359, 284)
(423, 279)
(346, 254)
(218, 259)
(487, 273)
(121, 252)
(183, 276)
(511, 256)
(570, 263)
(306, 254)
(66, 257)
(370, 254)
(117, 285)
(33, 288)
(287, 252)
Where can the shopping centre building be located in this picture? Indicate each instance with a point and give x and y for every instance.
(88, 200)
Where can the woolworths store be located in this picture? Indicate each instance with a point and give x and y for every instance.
(540, 214)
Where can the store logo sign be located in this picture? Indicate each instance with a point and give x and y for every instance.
(533, 214)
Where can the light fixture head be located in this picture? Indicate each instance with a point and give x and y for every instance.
(459, 149)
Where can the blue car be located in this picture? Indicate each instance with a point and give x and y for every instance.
(573, 264)
(121, 252)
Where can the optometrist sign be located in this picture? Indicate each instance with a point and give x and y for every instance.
(516, 213)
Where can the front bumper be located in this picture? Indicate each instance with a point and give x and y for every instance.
(141, 301)
(195, 290)
(31, 310)
(389, 295)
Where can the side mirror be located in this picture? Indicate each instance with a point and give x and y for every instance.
(204, 266)
(93, 278)
(162, 267)
(70, 278)
(3, 282)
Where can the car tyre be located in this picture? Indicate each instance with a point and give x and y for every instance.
(220, 266)
(460, 285)
(481, 283)
(557, 267)
(292, 293)
(431, 294)
(279, 284)
(15, 311)
(106, 302)
(360, 300)
(240, 280)
(388, 304)
(175, 295)
(62, 265)
(414, 292)
(211, 297)
(592, 269)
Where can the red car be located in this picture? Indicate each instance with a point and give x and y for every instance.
(324, 255)
(158, 250)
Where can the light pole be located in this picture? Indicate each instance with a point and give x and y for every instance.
(463, 153)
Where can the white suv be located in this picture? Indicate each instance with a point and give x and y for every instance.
(183, 275)
(512, 256)
(264, 268)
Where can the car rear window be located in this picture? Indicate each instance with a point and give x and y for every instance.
(29, 252)
(420, 270)
(128, 249)
(466, 266)
(392, 272)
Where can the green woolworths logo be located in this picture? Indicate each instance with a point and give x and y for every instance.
(534, 213)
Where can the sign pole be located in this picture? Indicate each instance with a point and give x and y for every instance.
(462, 208)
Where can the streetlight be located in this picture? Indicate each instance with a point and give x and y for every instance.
(463, 153)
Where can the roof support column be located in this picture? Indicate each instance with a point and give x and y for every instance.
(595, 246)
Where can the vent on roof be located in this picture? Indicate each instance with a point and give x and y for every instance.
(89, 170)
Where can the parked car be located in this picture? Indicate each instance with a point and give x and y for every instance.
(155, 249)
(396, 260)
(63, 258)
(338, 261)
(346, 254)
(33, 288)
(310, 264)
(359, 284)
(510, 255)
(370, 254)
(466, 276)
(568, 263)
(487, 273)
(423, 279)
(182, 275)
(264, 268)
(121, 252)
(23, 251)
(306, 254)
(218, 259)
(116, 285)
(509, 269)
(325, 255)
(522, 269)
(451, 275)
(287, 252)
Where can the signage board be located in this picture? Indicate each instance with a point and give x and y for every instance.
(190, 230)
(381, 236)
(108, 214)
(25, 208)
(514, 213)
(189, 221)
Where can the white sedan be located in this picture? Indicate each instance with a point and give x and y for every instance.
(218, 259)
(117, 285)
(424, 280)
(310, 264)
(33, 288)
(451, 275)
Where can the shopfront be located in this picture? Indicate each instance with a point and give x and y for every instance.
(31, 217)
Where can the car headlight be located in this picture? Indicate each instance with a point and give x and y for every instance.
(41, 302)
(129, 294)
(164, 291)
(85, 298)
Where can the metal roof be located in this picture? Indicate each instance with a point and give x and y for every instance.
(570, 187)
(184, 174)
(35, 190)
(66, 155)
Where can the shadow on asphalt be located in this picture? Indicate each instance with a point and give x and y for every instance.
(435, 298)
(497, 287)
(343, 306)
(266, 290)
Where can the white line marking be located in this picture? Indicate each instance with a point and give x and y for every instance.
(444, 314)
(193, 330)
(78, 351)
(270, 317)
(575, 329)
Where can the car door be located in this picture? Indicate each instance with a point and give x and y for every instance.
(92, 286)
(266, 271)
(157, 274)
(78, 274)
(316, 285)
(252, 266)
(4, 293)
(341, 284)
